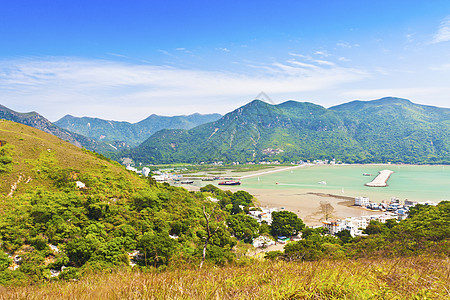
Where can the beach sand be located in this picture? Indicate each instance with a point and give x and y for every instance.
(312, 207)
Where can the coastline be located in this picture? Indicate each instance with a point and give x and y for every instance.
(309, 199)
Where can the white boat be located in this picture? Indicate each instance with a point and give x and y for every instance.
(322, 182)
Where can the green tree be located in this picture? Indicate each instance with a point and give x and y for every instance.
(157, 248)
(286, 223)
(344, 236)
(242, 198)
(5, 261)
(244, 227)
(375, 227)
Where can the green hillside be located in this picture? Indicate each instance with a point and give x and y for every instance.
(385, 130)
(132, 134)
(35, 120)
(96, 225)
(67, 213)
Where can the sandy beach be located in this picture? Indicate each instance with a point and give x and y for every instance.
(312, 207)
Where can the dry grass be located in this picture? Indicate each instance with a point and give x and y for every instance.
(402, 278)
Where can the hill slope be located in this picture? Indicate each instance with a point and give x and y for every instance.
(388, 129)
(115, 212)
(35, 120)
(132, 134)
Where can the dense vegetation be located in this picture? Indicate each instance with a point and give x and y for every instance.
(386, 130)
(119, 218)
(132, 134)
(113, 213)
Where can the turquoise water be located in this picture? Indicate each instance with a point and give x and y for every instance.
(417, 183)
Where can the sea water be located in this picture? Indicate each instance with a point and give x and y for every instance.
(416, 183)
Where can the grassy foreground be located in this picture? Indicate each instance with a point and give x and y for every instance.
(399, 278)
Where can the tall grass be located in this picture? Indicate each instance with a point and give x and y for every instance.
(400, 278)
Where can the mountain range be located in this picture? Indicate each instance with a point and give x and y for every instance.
(104, 136)
(384, 130)
(131, 133)
(36, 120)
(378, 131)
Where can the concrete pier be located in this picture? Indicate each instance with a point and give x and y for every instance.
(381, 179)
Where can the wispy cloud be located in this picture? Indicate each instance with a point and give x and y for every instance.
(443, 34)
(322, 53)
(443, 67)
(409, 93)
(118, 90)
(346, 45)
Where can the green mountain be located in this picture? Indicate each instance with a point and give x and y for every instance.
(384, 130)
(132, 134)
(68, 213)
(35, 120)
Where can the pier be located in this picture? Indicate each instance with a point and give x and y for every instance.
(381, 179)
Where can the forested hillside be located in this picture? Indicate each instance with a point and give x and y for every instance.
(67, 213)
(131, 133)
(35, 120)
(380, 131)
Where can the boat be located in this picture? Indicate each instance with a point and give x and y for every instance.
(187, 182)
(367, 174)
(207, 179)
(230, 182)
(322, 182)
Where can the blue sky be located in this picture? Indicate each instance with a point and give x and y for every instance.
(125, 60)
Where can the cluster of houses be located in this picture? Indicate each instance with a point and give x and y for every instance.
(356, 224)
(145, 171)
(399, 208)
(393, 209)
(262, 214)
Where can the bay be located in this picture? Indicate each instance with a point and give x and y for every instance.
(413, 182)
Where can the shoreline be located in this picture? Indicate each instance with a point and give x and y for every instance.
(271, 171)
(310, 202)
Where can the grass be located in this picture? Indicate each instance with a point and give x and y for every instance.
(30, 144)
(400, 278)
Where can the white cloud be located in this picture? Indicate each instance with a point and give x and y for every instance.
(414, 94)
(322, 53)
(344, 59)
(124, 91)
(347, 45)
(301, 56)
(443, 34)
(224, 49)
(443, 67)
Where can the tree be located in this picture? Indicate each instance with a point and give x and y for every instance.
(244, 227)
(209, 232)
(375, 227)
(286, 223)
(242, 198)
(344, 236)
(5, 261)
(157, 248)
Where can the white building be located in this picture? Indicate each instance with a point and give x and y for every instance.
(262, 241)
(355, 224)
(361, 201)
(145, 171)
(333, 226)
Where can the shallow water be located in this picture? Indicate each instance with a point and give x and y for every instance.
(417, 183)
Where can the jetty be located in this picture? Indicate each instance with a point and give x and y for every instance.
(381, 179)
